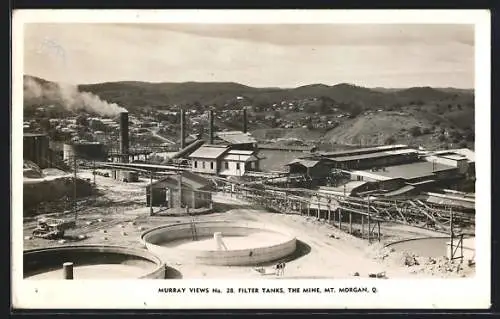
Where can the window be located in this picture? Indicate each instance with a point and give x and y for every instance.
(203, 165)
(211, 165)
(237, 165)
(195, 164)
(226, 165)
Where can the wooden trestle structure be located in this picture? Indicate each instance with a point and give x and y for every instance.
(358, 216)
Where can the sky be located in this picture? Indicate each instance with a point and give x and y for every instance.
(260, 55)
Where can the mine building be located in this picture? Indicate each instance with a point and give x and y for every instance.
(208, 159)
(36, 149)
(237, 139)
(223, 160)
(237, 162)
(194, 192)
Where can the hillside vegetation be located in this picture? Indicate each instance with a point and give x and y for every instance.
(444, 116)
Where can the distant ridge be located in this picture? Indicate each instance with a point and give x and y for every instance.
(131, 94)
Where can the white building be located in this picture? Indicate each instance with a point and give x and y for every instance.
(237, 162)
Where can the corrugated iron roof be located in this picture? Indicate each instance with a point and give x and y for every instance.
(240, 158)
(209, 151)
(406, 171)
(450, 202)
(400, 191)
(236, 137)
(304, 162)
(368, 156)
(192, 180)
(364, 150)
(240, 152)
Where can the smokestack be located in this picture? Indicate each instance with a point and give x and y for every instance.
(244, 120)
(211, 127)
(124, 143)
(183, 130)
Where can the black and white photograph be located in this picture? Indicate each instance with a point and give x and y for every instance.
(251, 150)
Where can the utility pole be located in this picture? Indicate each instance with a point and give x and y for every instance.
(369, 226)
(151, 194)
(94, 172)
(74, 188)
(451, 233)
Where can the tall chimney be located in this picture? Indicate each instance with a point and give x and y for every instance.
(210, 127)
(183, 130)
(124, 142)
(244, 120)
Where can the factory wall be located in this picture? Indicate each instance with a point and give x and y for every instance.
(36, 149)
(165, 196)
(461, 164)
(87, 151)
(125, 176)
(368, 163)
(236, 168)
(203, 165)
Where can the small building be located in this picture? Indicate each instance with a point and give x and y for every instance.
(223, 160)
(463, 159)
(237, 162)
(237, 140)
(195, 191)
(314, 169)
(207, 158)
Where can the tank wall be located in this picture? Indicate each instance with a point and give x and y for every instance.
(250, 256)
(43, 260)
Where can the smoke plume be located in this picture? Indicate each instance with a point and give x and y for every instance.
(70, 98)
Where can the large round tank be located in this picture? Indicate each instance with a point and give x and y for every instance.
(219, 243)
(36, 149)
(92, 262)
(434, 246)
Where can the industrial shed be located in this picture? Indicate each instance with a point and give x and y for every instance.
(314, 169)
(195, 191)
(414, 172)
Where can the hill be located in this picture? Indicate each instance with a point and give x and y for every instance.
(437, 108)
(131, 94)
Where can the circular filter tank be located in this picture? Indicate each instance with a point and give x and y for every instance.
(91, 262)
(219, 243)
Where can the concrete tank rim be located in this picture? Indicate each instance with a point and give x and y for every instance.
(421, 238)
(227, 222)
(143, 253)
(287, 237)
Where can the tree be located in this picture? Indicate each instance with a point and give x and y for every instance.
(390, 140)
(415, 131)
(45, 124)
(82, 120)
(356, 110)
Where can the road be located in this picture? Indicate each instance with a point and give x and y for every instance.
(155, 134)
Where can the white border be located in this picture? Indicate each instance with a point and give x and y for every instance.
(443, 293)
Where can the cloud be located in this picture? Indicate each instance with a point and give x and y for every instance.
(263, 55)
(332, 34)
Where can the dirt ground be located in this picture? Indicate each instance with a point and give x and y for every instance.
(118, 216)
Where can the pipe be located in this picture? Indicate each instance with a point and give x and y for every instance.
(187, 150)
(183, 130)
(244, 120)
(124, 138)
(211, 127)
(68, 270)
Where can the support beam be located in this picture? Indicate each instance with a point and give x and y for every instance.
(362, 226)
(350, 223)
(340, 218)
